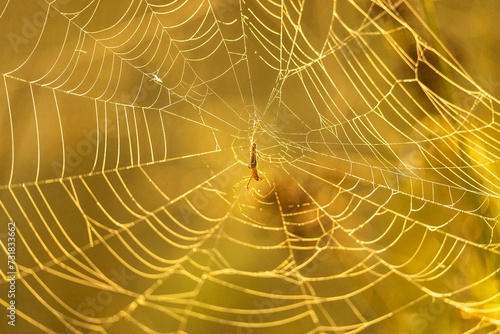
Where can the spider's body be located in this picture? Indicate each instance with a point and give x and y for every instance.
(256, 175)
(253, 165)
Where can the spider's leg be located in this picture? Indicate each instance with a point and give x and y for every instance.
(249, 180)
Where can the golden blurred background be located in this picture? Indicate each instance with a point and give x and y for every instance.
(126, 131)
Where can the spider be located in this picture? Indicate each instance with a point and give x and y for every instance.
(253, 165)
(260, 197)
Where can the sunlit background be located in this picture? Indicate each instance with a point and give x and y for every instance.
(125, 144)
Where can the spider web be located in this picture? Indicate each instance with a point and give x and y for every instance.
(127, 130)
